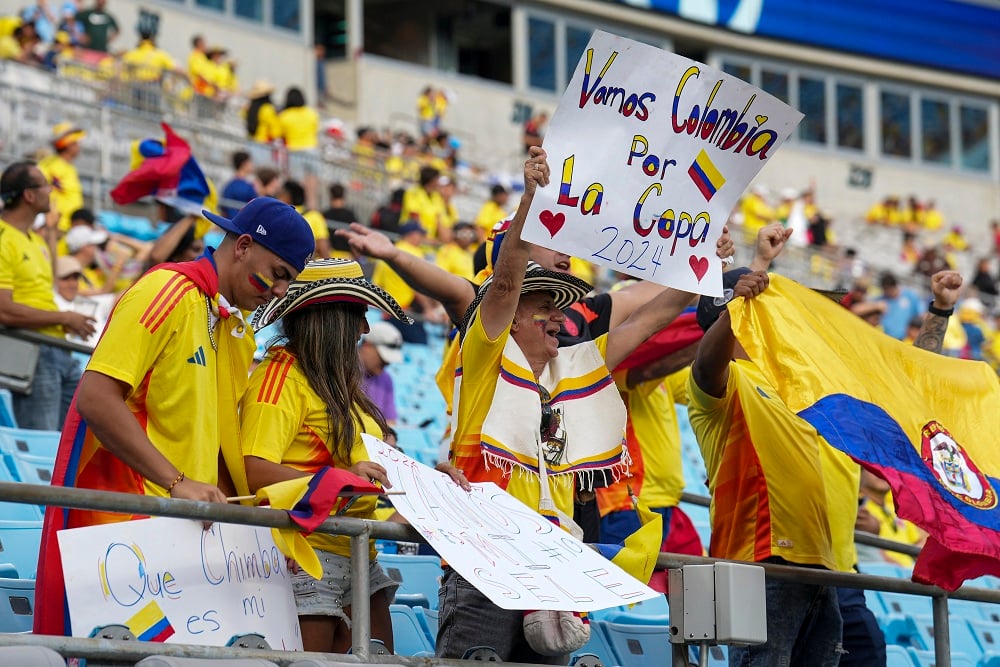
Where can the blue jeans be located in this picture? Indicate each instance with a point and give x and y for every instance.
(468, 619)
(864, 642)
(803, 628)
(56, 377)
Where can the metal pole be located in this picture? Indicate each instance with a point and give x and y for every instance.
(942, 633)
(360, 613)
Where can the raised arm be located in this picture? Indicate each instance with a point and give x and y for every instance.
(644, 322)
(945, 286)
(711, 366)
(770, 242)
(427, 278)
(500, 303)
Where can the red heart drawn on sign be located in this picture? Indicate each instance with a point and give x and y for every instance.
(552, 221)
(699, 265)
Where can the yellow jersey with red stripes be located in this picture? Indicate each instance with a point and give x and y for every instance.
(765, 473)
(157, 342)
(653, 438)
(283, 421)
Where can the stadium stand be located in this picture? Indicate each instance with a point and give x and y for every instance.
(408, 633)
(419, 578)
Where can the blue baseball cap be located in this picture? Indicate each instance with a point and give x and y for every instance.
(275, 225)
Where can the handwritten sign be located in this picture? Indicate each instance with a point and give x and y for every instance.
(649, 153)
(512, 554)
(169, 580)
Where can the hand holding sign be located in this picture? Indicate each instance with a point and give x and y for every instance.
(653, 151)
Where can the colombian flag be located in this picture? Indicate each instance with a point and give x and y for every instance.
(637, 555)
(928, 424)
(150, 624)
(310, 501)
(704, 174)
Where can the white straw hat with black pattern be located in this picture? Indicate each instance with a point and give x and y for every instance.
(328, 281)
(566, 289)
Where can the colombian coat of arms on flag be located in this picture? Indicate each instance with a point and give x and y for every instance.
(927, 423)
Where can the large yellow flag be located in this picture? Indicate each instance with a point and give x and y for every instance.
(928, 424)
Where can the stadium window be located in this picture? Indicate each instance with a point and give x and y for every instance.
(850, 116)
(935, 131)
(812, 103)
(975, 130)
(286, 14)
(894, 110)
(541, 53)
(739, 70)
(218, 5)
(249, 9)
(775, 83)
(576, 43)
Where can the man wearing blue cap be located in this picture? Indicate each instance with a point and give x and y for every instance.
(155, 412)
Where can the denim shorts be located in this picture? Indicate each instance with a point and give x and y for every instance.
(331, 594)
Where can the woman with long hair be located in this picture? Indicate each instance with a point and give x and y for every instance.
(299, 123)
(304, 410)
(262, 116)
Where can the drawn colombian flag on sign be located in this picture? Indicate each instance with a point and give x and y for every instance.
(704, 174)
(928, 424)
(150, 624)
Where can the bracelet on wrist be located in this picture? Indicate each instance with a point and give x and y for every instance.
(933, 310)
(177, 480)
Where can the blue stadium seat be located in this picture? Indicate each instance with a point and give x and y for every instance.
(639, 645)
(19, 542)
(17, 605)
(599, 645)
(718, 656)
(926, 659)
(884, 570)
(962, 638)
(31, 468)
(418, 576)
(7, 417)
(987, 634)
(29, 441)
(897, 656)
(408, 633)
(901, 603)
(15, 511)
(647, 612)
(429, 621)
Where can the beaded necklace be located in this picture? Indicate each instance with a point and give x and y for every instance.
(211, 333)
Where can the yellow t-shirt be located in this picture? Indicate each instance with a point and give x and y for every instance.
(489, 214)
(391, 281)
(268, 128)
(766, 475)
(202, 73)
(891, 527)
(283, 421)
(67, 193)
(146, 62)
(26, 270)
(756, 213)
(453, 259)
(299, 128)
(317, 223)
(157, 343)
(653, 438)
(480, 368)
(10, 48)
(427, 207)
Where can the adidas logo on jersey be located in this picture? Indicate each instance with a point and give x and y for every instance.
(261, 230)
(198, 357)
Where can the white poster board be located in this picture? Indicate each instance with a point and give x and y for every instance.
(512, 554)
(649, 152)
(171, 580)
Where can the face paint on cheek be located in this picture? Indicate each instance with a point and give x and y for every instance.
(259, 282)
(539, 320)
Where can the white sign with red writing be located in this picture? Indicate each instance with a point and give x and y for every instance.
(512, 554)
(649, 153)
(170, 580)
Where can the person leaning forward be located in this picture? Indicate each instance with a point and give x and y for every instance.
(156, 410)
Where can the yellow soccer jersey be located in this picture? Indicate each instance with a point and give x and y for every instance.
(157, 342)
(67, 193)
(26, 270)
(283, 421)
(391, 281)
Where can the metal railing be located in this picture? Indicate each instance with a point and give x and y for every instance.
(360, 531)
